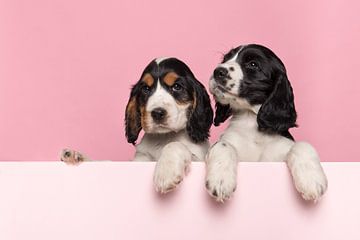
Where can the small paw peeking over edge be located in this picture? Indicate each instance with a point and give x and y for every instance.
(72, 157)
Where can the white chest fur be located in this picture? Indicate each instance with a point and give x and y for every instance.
(251, 144)
(152, 145)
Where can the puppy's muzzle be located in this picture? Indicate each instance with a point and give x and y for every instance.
(158, 115)
(221, 75)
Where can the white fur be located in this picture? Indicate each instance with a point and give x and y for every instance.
(176, 114)
(309, 178)
(174, 152)
(160, 59)
(235, 73)
(243, 142)
(235, 102)
(168, 143)
(228, 94)
(173, 164)
(221, 171)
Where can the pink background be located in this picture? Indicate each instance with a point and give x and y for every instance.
(66, 67)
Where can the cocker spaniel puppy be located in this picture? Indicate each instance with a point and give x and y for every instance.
(252, 86)
(174, 110)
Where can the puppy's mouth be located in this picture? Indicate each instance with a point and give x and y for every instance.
(218, 89)
(221, 88)
(160, 125)
(158, 128)
(222, 95)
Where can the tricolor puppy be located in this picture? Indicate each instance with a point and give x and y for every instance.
(173, 109)
(252, 86)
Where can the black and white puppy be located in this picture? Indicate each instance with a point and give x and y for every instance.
(174, 110)
(252, 86)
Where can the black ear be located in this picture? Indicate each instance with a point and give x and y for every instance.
(278, 113)
(222, 113)
(200, 115)
(132, 118)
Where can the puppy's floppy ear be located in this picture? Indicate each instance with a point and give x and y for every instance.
(201, 114)
(222, 113)
(278, 113)
(132, 117)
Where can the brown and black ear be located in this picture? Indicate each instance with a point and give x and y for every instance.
(133, 117)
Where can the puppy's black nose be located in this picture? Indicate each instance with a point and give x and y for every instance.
(220, 74)
(158, 114)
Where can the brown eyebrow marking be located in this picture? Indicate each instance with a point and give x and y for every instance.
(170, 78)
(148, 79)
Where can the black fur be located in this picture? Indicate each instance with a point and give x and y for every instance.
(277, 114)
(199, 117)
(222, 113)
(264, 82)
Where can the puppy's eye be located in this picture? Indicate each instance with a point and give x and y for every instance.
(176, 87)
(253, 65)
(145, 90)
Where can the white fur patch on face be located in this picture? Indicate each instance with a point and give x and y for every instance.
(235, 75)
(232, 84)
(160, 59)
(229, 93)
(236, 102)
(176, 116)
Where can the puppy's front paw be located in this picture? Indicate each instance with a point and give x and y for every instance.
(71, 157)
(221, 184)
(168, 175)
(310, 182)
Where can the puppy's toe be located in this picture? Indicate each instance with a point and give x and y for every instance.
(71, 157)
(167, 177)
(311, 184)
(221, 186)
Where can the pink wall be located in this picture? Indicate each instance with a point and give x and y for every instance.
(66, 66)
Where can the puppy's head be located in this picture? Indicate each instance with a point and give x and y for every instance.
(252, 77)
(168, 98)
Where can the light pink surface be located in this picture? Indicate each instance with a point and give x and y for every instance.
(117, 201)
(66, 67)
